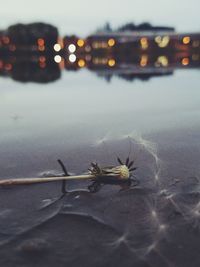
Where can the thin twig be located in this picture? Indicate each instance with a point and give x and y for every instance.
(63, 167)
(66, 174)
(26, 181)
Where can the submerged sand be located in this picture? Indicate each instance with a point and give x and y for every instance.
(153, 224)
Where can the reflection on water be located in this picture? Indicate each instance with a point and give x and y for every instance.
(35, 52)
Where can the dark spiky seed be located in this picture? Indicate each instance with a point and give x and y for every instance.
(120, 162)
(130, 164)
(133, 169)
(127, 161)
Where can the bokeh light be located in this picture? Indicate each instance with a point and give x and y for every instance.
(57, 59)
(111, 62)
(72, 58)
(57, 47)
(72, 48)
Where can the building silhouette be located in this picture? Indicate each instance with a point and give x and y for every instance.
(35, 52)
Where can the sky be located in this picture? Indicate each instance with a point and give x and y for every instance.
(85, 16)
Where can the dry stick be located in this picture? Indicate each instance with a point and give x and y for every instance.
(121, 172)
(25, 181)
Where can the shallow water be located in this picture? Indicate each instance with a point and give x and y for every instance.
(82, 118)
(42, 122)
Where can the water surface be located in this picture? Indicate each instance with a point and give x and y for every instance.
(81, 118)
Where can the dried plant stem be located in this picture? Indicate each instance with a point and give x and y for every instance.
(26, 181)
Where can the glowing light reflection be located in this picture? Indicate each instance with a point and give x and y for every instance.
(72, 48)
(57, 59)
(185, 61)
(111, 62)
(186, 40)
(81, 63)
(80, 42)
(57, 47)
(144, 60)
(162, 61)
(72, 58)
(40, 42)
(144, 43)
(111, 42)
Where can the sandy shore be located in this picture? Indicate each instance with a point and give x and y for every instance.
(153, 224)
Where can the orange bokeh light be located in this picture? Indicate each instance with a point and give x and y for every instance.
(144, 43)
(81, 63)
(111, 42)
(80, 42)
(144, 60)
(186, 40)
(40, 42)
(185, 61)
(111, 62)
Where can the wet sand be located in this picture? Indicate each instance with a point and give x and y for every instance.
(153, 224)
